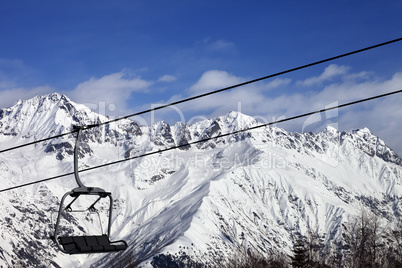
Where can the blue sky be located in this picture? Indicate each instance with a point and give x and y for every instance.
(131, 55)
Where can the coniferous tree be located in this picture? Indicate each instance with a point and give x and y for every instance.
(300, 251)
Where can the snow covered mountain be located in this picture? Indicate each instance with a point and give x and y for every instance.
(251, 190)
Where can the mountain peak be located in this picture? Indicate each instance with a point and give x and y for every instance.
(362, 131)
(40, 115)
(370, 144)
(51, 98)
(331, 129)
(238, 120)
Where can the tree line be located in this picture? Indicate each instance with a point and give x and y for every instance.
(365, 241)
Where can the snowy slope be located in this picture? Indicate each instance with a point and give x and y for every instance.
(252, 189)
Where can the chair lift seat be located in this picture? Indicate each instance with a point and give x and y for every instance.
(85, 244)
(90, 244)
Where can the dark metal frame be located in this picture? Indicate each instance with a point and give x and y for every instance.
(77, 192)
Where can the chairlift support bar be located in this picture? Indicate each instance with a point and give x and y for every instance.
(85, 244)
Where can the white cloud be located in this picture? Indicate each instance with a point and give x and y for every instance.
(106, 95)
(214, 79)
(251, 98)
(6, 84)
(364, 75)
(167, 78)
(215, 46)
(329, 72)
(278, 82)
(381, 116)
(221, 45)
(10, 96)
(111, 90)
(13, 73)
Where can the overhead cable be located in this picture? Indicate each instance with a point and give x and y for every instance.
(207, 139)
(208, 93)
